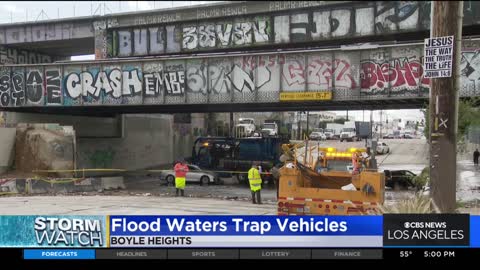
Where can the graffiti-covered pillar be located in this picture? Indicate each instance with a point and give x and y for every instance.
(100, 35)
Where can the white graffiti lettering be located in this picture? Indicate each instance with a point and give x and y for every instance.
(190, 38)
(224, 33)
(153, 83)
(242, 79)
(132, 83)
(85, 84)
(115, 78)
(196, 78)
(219, 80)
(242, 33)
(74, 85)
(206, 36)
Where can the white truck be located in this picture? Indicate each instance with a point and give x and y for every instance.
(348, 132)
(245, 126)
(333, 130)
(270, 129)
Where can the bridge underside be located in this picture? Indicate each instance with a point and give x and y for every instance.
(410, 103)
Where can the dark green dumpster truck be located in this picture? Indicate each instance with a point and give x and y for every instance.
(234, 156)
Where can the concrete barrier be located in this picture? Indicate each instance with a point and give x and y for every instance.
(48, 186)
(112, 183)
(7, 146)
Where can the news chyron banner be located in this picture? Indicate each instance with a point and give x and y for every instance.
(245, 231)
(400, 230)
(189, 231)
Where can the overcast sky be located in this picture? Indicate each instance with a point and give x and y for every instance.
(11, 11)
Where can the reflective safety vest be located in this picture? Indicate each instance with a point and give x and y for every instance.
(254, 179)
(180, 170)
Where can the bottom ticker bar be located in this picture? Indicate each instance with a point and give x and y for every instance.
(324, 254)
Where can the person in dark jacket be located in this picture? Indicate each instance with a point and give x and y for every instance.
(476, 155)
(276, 176)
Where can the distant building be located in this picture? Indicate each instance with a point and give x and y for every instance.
(325, 116)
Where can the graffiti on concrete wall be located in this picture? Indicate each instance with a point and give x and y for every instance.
(392, 75)
(4, 87)
(100, 36)
(34, 87)
(317, 24)
(14, 56)
(385, 71)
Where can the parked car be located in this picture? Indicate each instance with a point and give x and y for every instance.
(329, 134)
(317, 136)
(399, 179)
(382, 148)
(195, 174)
(388, 136)
(408, 136)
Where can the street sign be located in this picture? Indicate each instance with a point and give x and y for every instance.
(305, 96)
(438, 57)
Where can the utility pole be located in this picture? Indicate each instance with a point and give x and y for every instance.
(371, 124)
(308, 124)
(299, 122)
(231, 123)
(446, 20)
(381, 124)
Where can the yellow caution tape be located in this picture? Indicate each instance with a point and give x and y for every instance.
(122, 170)
(210, 171)
(79, 170)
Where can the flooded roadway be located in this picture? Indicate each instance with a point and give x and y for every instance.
(468, 182)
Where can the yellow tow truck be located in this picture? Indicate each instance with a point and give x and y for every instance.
(325, 184)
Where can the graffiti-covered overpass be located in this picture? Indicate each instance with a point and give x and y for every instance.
(370, 78)
(227, 26)
(234, 56)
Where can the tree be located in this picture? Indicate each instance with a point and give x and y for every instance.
(426, 115)
(468, 115)
(322, 124)
(340, 120)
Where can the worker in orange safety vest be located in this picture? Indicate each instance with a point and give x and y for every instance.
(181, 170)
(356, 163)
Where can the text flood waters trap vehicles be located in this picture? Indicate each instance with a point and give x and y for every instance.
(326, 185)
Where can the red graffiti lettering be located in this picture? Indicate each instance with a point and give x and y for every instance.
(293, 73)
(320, 73)
(271, 60)
(249, 62)
(401, 73)
(344, 77)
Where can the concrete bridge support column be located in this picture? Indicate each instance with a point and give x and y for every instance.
(100, 36)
